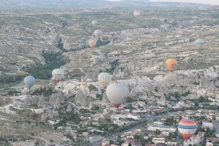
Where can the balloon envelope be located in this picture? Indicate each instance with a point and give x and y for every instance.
(104, 79)
(187, 128)
(94, 23)
(92, 43)
(200, 42)
(117, 93)
(98, 33)
(58, 74)
(137, 13)
(171, 63)
(29, 81)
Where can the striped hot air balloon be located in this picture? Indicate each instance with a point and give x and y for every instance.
(117, 93)
(171, 64)
(200, 42)
(187, 128)
(92, 43)
(104, 79)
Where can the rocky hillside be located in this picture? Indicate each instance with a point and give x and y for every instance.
(137, 45)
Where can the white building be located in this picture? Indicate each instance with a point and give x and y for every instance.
(208, 124)
(193, 140)
(135, 117)
(209, 144)
(158, 140)
(161, 128)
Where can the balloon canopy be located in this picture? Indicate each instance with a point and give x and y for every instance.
(104, 79)
(137, 13)
(94, 23)
(29, 81)
(98, 33)
(171, 64)
(200, 42)
(92, 43)
(187, 128)
(117, 93)
(58, 74)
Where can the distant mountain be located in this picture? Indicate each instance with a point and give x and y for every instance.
(69, 3)
(83, 3)
(176, 4)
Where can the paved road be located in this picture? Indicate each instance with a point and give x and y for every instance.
(150, 120)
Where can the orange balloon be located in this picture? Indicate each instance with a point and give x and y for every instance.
(171, 63)
(92, 43)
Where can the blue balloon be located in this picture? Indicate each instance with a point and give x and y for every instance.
(29, 81)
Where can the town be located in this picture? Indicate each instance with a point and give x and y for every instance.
(76, 109)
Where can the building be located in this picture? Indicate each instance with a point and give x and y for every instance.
(172, 143)
(158, 140)
(161, 128)
(209, 144)
(135, 117)
(194, 140)
(208, 125)
(105, 143)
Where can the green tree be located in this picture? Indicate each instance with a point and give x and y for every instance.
(37, 143)
(158, 132)
(111, 142)
(51, 141)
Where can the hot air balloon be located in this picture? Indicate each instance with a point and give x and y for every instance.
(187, 128)
(58, 74)
(92, 43)
(104, 79)
(200, 42)
(171, 64)
(94, 23)
(137, 14)
(117, 93)
(98, 34)
(29, 81)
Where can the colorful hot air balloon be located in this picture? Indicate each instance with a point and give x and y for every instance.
(117, 93)
(171, 64)
(92, 43)
(58, 74)
(29, 81)
(98, 34)
(104, 79)
(187, 128)
(94, 23)
(200, 42)
(137, 14)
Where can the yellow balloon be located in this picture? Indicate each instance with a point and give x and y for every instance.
(171, 64)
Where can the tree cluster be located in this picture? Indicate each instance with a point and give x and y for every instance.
(53, 61)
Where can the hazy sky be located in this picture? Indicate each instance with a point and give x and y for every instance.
(214, 2)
